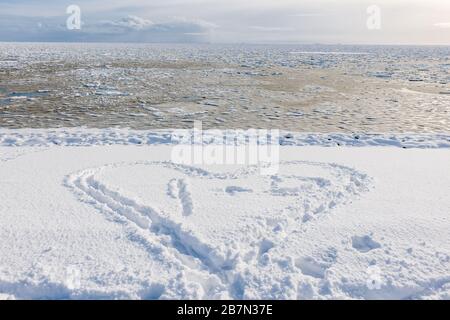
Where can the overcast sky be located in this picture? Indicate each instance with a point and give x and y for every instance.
(235, 21)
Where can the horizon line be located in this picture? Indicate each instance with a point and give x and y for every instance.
(239, 43)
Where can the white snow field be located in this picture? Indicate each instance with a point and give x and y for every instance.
(124, 222)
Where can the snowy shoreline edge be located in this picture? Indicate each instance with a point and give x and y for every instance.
(98, 137)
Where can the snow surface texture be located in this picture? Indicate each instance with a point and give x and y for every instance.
(124, 222)
(89, 137)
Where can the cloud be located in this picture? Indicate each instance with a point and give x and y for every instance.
(193, 22)
(126, 29)
(137, 29)
(304, 15)
(128, 23)
(271, 29)
(443, 25)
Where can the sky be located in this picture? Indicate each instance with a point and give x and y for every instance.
(230, 21)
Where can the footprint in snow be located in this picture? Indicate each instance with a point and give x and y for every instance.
(317, 266)
(364, 243)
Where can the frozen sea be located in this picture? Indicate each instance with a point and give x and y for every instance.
(300, 88)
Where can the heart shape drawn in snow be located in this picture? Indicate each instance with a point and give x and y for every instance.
(217, 219)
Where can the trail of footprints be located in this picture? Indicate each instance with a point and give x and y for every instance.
(184, 249)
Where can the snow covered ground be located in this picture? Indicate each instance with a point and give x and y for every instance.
(84, 219)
